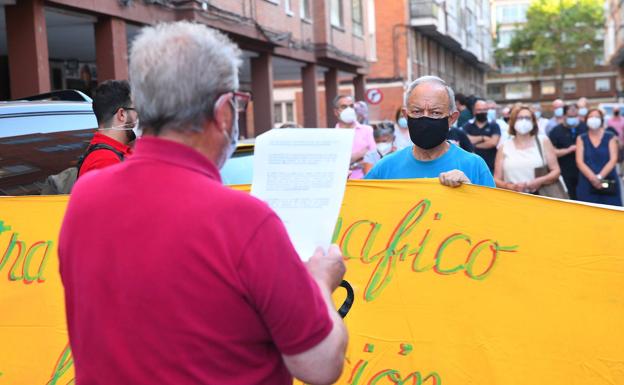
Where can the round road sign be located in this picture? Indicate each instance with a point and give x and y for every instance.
(374, 95)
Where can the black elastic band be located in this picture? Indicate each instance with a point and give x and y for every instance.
(346, 306)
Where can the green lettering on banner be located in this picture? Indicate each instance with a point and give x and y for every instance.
(20, 257)
(64, 363)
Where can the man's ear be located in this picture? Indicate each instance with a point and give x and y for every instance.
(121, 115)
(453, 117)
(222, 114)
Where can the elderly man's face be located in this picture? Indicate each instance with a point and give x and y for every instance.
(557, 103)
(343, 104)
(480, 107)
(429, 100)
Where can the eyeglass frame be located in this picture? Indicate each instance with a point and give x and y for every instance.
(237, 96)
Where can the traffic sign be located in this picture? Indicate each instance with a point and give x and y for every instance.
(374, 95)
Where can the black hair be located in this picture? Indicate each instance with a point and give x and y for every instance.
(470, 102)
(461, 98)
(568, 106)
(338, 97)
(383, 128)
(110, 96)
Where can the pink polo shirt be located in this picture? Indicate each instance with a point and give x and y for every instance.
(618, 124)
(363, 139)
(172, 278)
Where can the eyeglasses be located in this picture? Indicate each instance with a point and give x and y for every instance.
(240, 100)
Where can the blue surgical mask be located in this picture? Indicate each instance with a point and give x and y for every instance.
(572, 122)
(559, 112)
(582, 111)
(491, 115)
(402, 122)
(538, 114)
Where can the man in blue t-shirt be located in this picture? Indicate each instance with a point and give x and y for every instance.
(430, 110)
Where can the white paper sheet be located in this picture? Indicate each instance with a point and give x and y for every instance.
(301, 174)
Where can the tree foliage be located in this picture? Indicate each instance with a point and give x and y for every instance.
(558, 33)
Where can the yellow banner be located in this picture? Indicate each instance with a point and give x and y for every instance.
(455, 286)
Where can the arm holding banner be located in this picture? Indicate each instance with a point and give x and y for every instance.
(453, 178)
(322, 364)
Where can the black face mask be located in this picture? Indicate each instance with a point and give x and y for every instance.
(426, 132)
(616, 113)
(481, 117)
(506, 119)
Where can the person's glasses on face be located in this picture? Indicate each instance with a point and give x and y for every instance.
(240, 100)
(345, 106)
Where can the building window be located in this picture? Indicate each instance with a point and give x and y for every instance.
(288, 5)
(284, 112)
(372, 33)
(548, 88)
(603, 85)
(305, 9)
(518, 91)
(357, 16)
(514, 13)
(495, 91)
(504, 38)
(511, 66)
(569, 86)
(336, 13)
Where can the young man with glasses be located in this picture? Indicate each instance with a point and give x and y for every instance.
(118, 124)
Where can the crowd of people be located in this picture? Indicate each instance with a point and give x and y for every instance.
(200, 283)
(575, 154)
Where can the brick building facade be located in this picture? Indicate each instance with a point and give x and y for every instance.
(56, 44)
(614, 42)
(448, 39)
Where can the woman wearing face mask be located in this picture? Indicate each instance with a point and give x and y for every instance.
(401, 132)
(596, 157)
(385, 139)
(517, 158)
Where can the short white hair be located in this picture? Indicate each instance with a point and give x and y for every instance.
(177, 72)
(431, 79)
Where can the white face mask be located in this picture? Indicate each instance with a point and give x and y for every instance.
(594, 123)
(348, 115)
(523, 126)
(233, 137)
(137, 131)
(384, 148)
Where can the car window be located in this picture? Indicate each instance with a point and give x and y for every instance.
(238, 169)
(32, 147)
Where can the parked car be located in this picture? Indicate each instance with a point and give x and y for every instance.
(45, 134)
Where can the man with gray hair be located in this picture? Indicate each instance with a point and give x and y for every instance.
(196, 283)
(429, 105)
